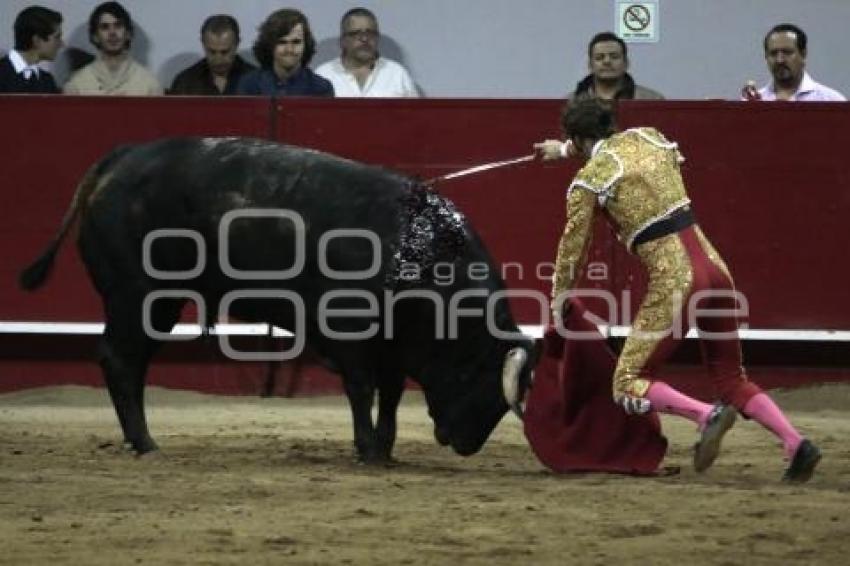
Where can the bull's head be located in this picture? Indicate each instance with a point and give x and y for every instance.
(466, 406)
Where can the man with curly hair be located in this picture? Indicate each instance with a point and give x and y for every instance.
(284, 47)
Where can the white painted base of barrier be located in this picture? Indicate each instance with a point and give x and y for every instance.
(532, 330)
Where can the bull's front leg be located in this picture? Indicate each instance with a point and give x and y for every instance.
(360, 390)
(390, 390)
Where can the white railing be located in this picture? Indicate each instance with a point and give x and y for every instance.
(533, 330)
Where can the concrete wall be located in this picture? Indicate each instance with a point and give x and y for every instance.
(503, 48)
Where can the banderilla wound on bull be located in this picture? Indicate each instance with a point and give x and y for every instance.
(481, 168)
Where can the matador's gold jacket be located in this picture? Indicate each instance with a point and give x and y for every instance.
(634, 176)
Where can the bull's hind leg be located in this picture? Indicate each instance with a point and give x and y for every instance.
(390, 389)
(126, 350)
(360, 389)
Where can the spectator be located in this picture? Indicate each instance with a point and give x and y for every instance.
(38, 37)
(785, 50)
(284, 48)
(608, 61)
(360, 71)
(221, 68)
(113, 71)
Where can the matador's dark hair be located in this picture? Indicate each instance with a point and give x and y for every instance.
(589, 118)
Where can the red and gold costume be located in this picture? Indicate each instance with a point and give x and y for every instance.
(633, 177)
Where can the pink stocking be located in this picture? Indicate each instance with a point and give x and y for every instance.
(764, 411)
(665, 399)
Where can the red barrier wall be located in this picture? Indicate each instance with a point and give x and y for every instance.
(48, 144)
(767, 181)
(771, 188)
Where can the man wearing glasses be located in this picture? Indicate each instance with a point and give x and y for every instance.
(360, 71)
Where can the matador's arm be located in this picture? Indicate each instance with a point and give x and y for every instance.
(572, 249)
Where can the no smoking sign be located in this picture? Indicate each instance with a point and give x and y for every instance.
(637, 21)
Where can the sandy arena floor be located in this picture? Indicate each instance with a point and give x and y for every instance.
(268, 481)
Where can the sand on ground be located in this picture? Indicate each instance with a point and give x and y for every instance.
(243, 480)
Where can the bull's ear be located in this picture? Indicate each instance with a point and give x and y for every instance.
(511, 373)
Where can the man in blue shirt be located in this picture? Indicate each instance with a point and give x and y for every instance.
(283, 48)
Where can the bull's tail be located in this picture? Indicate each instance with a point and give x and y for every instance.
(36, 273)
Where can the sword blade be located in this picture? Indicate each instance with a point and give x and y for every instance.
(483, 167)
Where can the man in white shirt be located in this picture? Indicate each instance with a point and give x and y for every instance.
(360, 71)
(785, 50)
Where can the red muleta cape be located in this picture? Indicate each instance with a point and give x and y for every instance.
(570, 418)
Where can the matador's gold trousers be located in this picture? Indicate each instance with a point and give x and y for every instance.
(687, 280)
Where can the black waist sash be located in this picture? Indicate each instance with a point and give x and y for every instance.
(676, 222)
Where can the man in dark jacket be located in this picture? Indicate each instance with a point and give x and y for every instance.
(608, 62)
(38, 37)
(219, 71)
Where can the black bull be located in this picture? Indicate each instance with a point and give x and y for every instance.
(290, 205)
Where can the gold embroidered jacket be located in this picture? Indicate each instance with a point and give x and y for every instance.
(634, 175)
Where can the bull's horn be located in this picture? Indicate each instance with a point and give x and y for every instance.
(511, 371)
